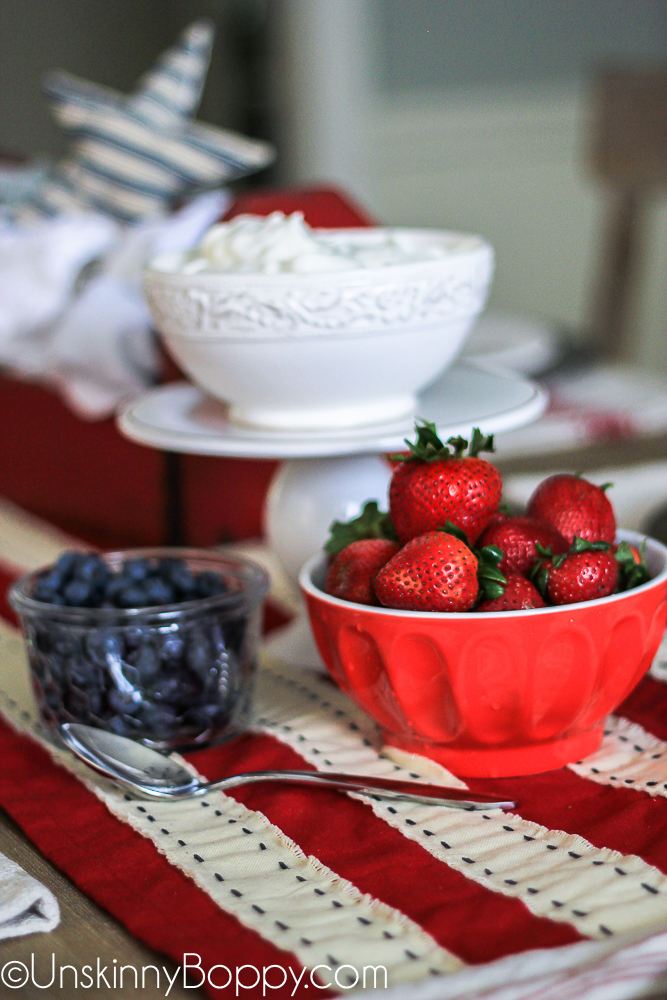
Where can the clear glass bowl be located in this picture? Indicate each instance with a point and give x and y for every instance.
(174, 676)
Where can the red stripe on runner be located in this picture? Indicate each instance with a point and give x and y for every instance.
(647, 706)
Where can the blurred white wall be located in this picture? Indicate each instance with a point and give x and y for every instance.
(473, 114)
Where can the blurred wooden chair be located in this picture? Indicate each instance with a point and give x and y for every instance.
(629, 155)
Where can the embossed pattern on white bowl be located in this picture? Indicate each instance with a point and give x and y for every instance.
(310, 351)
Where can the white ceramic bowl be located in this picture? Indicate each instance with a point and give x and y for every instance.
(327, 350)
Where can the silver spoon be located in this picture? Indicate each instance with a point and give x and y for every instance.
(156, 776)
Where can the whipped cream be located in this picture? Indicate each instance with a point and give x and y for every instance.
(253, 244)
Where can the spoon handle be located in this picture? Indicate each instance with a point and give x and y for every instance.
(386, 788)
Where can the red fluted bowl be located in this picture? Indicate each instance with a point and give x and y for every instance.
(492, 695)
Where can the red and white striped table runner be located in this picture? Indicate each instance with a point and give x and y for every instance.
(296, 879)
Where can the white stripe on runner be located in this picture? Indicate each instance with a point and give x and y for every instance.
(252, 870)
(629, 757)
(27, 542)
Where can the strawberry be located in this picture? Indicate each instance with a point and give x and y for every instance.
(517, 537)
(350, 576)
(519, 594)
(433, 485)
(433, 572)
(499, 516)
(574, 507)
(588, 571)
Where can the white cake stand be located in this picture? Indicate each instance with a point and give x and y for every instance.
(327, 475)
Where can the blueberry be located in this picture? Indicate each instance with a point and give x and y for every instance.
(132, 596)
(76, 703)
(198, 654)
(159, 592)
(123, 702)
(147, 664)
(159, 719)
(206, 716)
(66, 563)
(53, 580)
(135, 636)
(188, 691)
(136, 569)
(94, 701)
(112, 587)
(167, 565)
(171, 648)
(78, 593)
(119, 725)
(64, 644)
(42, 591)
(81, 674)
(166, 689)
(183, 579)
(209, 584)
(92, 569)
(103, 644)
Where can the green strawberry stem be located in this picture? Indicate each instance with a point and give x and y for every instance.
(582, 545)
(453, 529)
(429, 448)
(480, 442)
(371, 523)
(630, 573)
(490, 580)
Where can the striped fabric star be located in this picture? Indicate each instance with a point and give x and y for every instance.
(133, 156)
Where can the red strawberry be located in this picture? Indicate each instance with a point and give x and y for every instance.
(353, 571)
(583, 577)
(588, 571)
(433, 486)
(434, 572)
(519, 594)
(574, 506)
(498, 518)
(517, 537)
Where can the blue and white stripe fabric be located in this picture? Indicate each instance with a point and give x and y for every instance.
(133, 157)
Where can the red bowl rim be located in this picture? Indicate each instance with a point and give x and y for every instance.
(655, 552)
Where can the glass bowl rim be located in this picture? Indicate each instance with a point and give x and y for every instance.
(256, 586)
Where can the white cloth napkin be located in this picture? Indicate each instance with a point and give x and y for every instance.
(26, 906)
(92, 342)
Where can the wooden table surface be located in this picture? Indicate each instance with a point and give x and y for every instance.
(85, 933)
